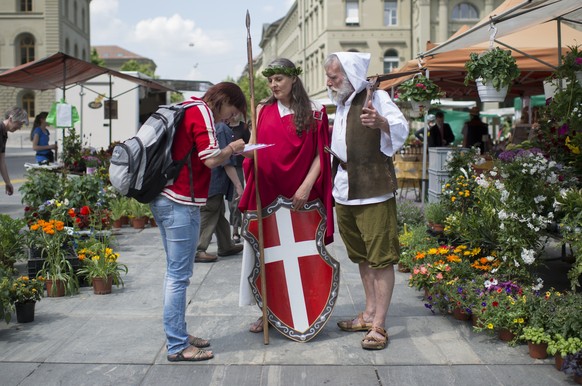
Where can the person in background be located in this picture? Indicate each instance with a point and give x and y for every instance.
(475, 132)
(235, 217)
(177, 208)
(14, 119)
(444, 130)
(366, 134)
(212, 215)
(296, 167)
(431, 121)
(40, 137)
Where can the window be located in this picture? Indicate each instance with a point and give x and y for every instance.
(465, 11)
(352, 12)
(390, 60)
(75, 13)
(390, 12)
(28, 104)
(26, 48)
(25, 5)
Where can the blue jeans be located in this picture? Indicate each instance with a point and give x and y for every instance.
(180, 227)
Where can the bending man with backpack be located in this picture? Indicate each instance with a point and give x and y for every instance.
(177, 208)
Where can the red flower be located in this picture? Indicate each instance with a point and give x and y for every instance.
(71, 213)
(495, 304)
(85, 210)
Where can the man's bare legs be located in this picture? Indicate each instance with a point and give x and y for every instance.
(378, 287)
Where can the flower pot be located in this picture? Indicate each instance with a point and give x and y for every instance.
(124, 220)
(538, 350)
(488, 93)
(419, 108)
(102, 286)
(460, 314)
(551, 87)
(427, 294)
(153, 223)
(438, 228)
(505, 335)
(25, 311)
(90, 170)
(138, 223)
(559, 361)
(116, 223)
(57, 291)
(476, 321)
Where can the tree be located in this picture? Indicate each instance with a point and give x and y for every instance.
(95, 59)
(262, 90)
(133, 65)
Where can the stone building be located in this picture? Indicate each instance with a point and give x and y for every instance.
(34, 29)
(393, 31)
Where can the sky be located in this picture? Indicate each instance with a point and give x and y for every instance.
(202, 40)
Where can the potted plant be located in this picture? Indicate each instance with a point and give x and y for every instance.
(51, 238)
(571, 67)
(420, 91)
(537, 341)
(435, 214)
(91, 163)
(573, 365)
(12, 240)
(6, 304)
(560, 347)
(100, 265)
(118, 207)
(495, 69)
(24, 293)
(138, 213)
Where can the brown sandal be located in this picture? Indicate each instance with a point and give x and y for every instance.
(199, 355)
(257, 326)
(198, 342)
(360, 325)
(371, 342)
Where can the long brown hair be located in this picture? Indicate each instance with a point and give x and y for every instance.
(300, 102)
(226, 92)
(36, 123)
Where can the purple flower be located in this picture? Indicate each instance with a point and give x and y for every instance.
(578, 61)
(564, 129)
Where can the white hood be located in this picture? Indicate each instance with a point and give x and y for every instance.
(355, 65)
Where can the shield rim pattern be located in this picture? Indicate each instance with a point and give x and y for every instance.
(323, 318)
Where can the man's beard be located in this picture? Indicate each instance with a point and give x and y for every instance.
(339, 96)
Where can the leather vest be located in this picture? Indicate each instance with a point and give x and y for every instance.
(367, 166)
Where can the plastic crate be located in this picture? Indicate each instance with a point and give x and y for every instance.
(437, 157)
(433, 197)
(34, 265)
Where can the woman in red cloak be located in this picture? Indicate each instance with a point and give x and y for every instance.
(296, 167)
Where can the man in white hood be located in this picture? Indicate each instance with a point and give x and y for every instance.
(367, 131)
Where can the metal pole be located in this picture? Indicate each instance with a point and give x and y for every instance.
(256, 179)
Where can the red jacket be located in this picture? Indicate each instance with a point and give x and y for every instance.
(197, 128)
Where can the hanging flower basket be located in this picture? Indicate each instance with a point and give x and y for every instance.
(419, 107)
(495, 69)
(488, 93)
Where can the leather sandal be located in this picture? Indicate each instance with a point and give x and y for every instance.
(350, 326)
(257, 326)
(198, 342)
(371, 342)
(199, 355)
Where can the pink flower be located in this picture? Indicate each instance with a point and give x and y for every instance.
(578, 61)
(421, 85)
(416, 271)
(439, 276)
(423, 270)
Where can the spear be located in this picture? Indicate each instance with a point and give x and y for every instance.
(257, 195)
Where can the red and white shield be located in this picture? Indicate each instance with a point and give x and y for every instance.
(302, 277)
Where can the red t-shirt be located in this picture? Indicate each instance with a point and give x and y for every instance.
(197, 128)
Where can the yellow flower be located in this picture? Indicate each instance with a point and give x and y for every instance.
(490, 326)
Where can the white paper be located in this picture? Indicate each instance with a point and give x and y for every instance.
(64, 115)
(256, 146)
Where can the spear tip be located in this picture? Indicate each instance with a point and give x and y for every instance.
(248, 19)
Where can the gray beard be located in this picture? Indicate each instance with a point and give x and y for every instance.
(338, 97)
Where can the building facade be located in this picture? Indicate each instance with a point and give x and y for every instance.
(34, 29)
(392, 31)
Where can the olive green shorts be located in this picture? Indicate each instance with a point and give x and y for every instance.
(370, 233)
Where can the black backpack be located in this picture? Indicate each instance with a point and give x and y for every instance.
(142, 166)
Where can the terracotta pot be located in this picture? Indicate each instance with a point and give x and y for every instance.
(427, 294)
(460, 314)
(124, 220)
(538, 350)
(153, 223)
(25, 311)
(559, 361)
(102, 286)
(116, 223)
(438, 228)
(475, 321)
(505, 335)
(56, 292)
(138, 223)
